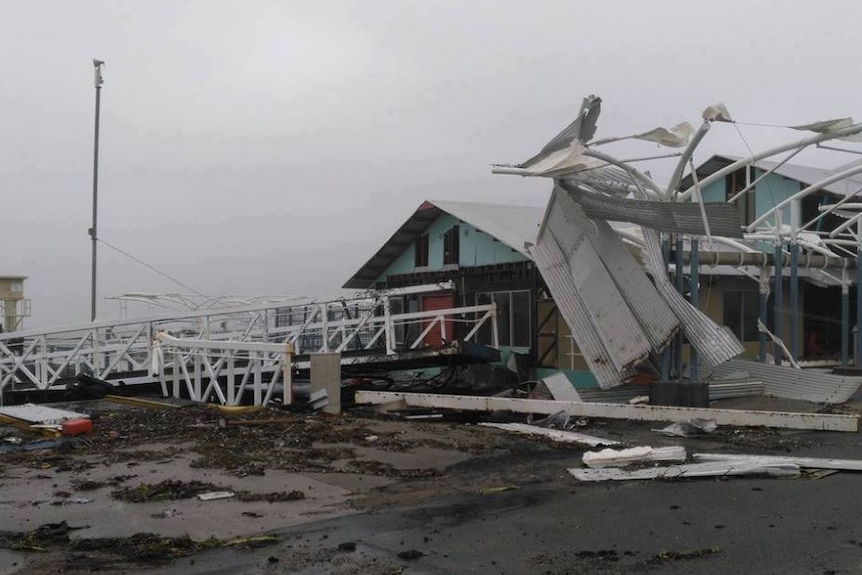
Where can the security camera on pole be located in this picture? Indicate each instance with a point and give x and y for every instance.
(97, 82)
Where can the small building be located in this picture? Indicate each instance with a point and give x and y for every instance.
(730, 292)
(14, 306)
(482, 249)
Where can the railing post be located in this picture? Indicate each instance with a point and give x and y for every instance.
(287, 377)
(388, 331)
(495, 334)
(231, 378)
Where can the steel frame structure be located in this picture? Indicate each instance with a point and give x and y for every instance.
(197, 346)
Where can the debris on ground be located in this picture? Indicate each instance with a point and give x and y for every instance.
(688, 471)
(553, 434)
(622, 457)
(665, 556)
(690, 428)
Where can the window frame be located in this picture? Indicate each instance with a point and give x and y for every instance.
(420, 255)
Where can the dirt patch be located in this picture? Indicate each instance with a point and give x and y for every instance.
(172, 490)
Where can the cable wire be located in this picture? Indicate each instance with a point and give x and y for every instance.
(151, 267)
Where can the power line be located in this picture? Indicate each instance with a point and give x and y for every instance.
(150, 267)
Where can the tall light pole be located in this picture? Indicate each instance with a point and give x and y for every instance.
(97, 82)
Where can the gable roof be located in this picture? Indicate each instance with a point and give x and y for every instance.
(805, 174)
(510, 225)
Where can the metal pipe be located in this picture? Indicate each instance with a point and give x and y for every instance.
(695, 301)
(858, 351)
(816, 187)
(665, 355)
(679, 268)
(778, 302)
(763, 302)
(761, 258)
(845, 323)
(676, 177)
(97, 82)
(794, 301)
(805, 142)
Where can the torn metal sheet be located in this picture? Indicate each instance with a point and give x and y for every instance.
(553, 434)
(691, 470)
(735, 388)
(714, 344)
(805, 462)
(738, 417)
(689, 428)
(653, 313)
(32, 413)
(603, 326)
(622, 457)
(581, 130)
(560, 388)
(791, 383)
(610, 179)
(670, 217)
(613, 310)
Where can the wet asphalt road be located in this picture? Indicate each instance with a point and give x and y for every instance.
(740, 525)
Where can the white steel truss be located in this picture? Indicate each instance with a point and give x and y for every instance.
(202, 346)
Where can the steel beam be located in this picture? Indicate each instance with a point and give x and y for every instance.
(737, 417)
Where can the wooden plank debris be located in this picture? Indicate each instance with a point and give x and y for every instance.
(691, 470)
(805, 462)
(737, 417)
(553, 434)
(622, 457)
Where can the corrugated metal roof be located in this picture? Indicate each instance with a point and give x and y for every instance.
(511, 225)
(805, 174)
(791, 383)
(671, 217)
(614, 312)
(713, 343)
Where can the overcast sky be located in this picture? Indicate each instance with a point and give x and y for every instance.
(271, 147)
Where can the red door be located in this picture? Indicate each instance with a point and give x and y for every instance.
(433, 303)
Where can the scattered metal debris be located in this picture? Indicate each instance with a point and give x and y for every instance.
(691, 470)
(804, 462)
(553, 434)
(689, 428)
(623, 457)
(212, 495)
(791, 383)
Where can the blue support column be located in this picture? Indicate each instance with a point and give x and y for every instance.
(763, 294)
(778, 302)
(794, 300)
(679, 266)
(695, 301)
(665, 356)
(858, 350)
(845, 324)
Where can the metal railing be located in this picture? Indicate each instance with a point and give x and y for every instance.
(130, 349)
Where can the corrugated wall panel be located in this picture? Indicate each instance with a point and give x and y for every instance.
(652, 312)
(714, 344)
(556, 273)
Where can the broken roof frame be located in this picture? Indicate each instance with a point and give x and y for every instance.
(609, 189)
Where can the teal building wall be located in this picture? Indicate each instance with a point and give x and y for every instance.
(476, 249)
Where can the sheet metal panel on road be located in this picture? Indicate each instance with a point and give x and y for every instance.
(791, 383)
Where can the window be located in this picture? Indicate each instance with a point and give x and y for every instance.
(513, 318)
(735, 183)
(421, 255)
(741, 311)
(451, 248)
